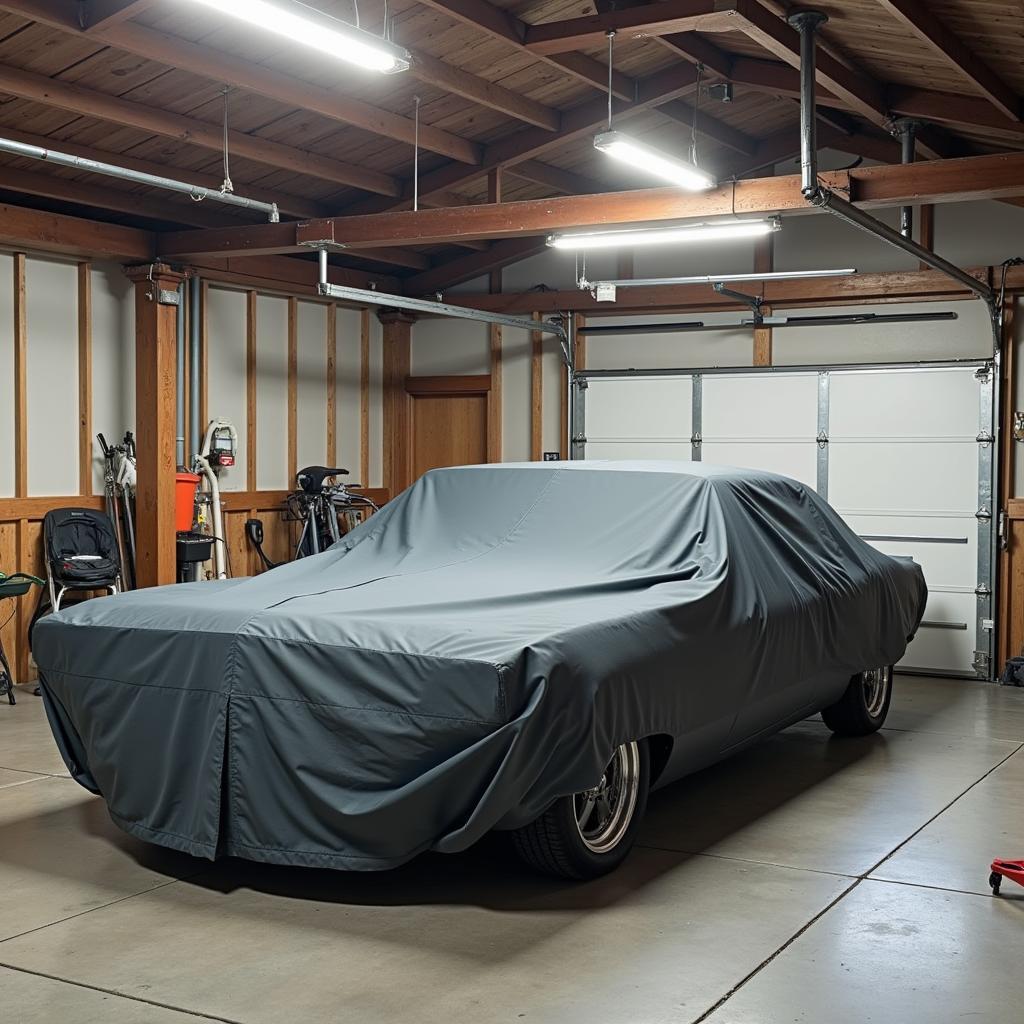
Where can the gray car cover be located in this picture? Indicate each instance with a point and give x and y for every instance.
(472, 652)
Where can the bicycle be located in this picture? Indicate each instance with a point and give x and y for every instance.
(319, 506)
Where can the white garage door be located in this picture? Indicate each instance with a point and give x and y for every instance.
(896, 450)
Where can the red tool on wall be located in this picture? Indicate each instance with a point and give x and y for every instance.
(1012, 869)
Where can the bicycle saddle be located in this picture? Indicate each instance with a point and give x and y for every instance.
(311, 479)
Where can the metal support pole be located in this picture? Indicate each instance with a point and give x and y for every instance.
(906, 129)
(322, 257)
(807, 23)
(179, 423)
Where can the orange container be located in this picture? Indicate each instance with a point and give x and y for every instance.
(185, 485)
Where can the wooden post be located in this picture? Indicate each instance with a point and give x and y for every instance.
(536, 392)
(84, 379)
(397, 363)
(764, 260)
(156, 330)
(926, 229)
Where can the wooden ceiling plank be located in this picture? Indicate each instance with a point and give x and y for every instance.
(927, 27)
(219, 66)
(863, 95)
(654, 19)
(288, 204)
(953, 109)
(718, 131)
(102, 13)
(503, 25)
(557, 178)
(698, 50)
(472, 265)
(91, 103)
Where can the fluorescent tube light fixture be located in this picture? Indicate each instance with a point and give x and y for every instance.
(318, 31)
(710, 232)
(647, 158)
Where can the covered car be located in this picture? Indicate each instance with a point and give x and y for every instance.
(523, 647)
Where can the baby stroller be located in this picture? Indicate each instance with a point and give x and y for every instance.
(81, 552)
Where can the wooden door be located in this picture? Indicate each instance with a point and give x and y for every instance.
(448, 422)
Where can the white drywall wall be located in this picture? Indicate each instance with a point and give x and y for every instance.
(311, 384)
(225, 367)
(347, 402)
(6, 375)
(271, 393)
(51, 317)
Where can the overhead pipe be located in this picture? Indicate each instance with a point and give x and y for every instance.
(81, 163)
(822, 197)
(906, 129)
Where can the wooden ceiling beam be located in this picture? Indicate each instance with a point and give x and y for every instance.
(654, 19)
(506, 27)
(288, 204)
(954, 109)
(37, 231)
(930, 29)
(92, 103)
(218, 66)
(95, 14)
(472, 265)
(698, 50)
(939, 181)
(717, 131)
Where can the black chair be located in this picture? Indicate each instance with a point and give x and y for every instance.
(81, 552)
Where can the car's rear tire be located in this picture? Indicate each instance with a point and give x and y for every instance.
(591, 833)
(862, 708)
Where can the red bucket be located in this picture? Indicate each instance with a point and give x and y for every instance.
(185, 485)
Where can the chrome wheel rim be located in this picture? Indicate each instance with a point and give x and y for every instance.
(876, 682)
(604, 812)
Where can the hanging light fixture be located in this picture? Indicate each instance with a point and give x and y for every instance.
(709, 232)
(623, 147)
(312, 28)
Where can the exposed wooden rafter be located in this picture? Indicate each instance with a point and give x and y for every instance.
(472, 265)
(929, 28)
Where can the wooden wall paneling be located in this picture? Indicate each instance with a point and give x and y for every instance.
(236, 543)
(250, 390)
(25, 563)
(10, 633)
(293, 377)
(926, 229)
(85, 378)
(20, 380)
(494, 408)
(332, 385)
(536, 392)
(364, 398)
(156, 342)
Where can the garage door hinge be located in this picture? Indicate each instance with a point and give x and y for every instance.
(822, 439)
(984, 438)
(981, 662)
(579, 439)
(581, 382)
(982, 590)
(983, 513)
(697, 439)
(982, 374)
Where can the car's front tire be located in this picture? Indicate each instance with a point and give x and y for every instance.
(863, 706)
(591, 833)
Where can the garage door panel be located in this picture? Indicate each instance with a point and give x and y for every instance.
(796, 459)
(939, 476)
(921, 403)
(678, 451)
(940, 647)
(640, 407)
(760, 405)
(946, 548)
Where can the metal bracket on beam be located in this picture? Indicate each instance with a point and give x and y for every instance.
(755, 302)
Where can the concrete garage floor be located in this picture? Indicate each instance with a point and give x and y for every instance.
(811, 879)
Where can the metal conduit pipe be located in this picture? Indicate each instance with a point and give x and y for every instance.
(807, 24)
(180, 383)
(81, 163)
(195, 368)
